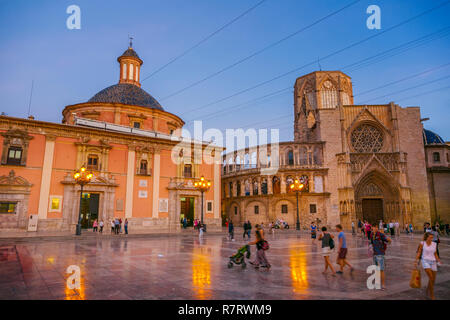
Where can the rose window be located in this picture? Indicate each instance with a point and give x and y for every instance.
(367, 138)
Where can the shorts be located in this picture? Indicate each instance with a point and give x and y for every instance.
(429, 264)
(326, 251)
(342, 253)
(379, 261)
(313, 235)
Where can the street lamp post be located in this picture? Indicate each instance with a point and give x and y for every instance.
(81, 177)
(297, 186)
(202, 185)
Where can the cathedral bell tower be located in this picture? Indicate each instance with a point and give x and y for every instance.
(130, 66)
(316, 92)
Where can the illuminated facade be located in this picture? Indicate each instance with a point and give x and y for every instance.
(359, 162)
(126, 138)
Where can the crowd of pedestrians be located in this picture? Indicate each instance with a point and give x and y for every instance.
(377, 237)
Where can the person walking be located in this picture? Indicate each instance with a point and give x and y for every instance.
(126, 226)
(116, 226)
(326, 238)
(430, 259)
(261, 246)
(378, 241)
(231, 231)
(200, 229)
(342, 250)
(368, 230)
(353, 228)
(113, 226)
(436, 239)
(95, 226)
(245, 230)
(249, 229)
(101, 226)
(313, 231)
(391, 228)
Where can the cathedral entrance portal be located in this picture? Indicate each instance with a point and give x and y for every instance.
(377, 197)
(372, 210)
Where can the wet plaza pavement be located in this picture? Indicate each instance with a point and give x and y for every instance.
(184, 267)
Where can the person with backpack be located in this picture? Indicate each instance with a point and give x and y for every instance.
(313, 231)
(261, 246)
(430, 260)
(378, 241)
(327, 246)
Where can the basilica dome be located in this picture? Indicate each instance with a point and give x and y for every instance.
(429, 137)
(126, 93)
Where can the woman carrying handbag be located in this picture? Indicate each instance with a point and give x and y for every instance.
(430, 259)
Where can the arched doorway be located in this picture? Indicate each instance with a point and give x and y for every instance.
(377, 198)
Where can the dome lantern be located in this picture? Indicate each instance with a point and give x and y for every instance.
(130, 66)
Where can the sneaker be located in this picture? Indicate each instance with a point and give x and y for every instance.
(339, 272)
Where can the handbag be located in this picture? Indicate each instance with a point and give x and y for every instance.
(415, 281)
(264, 245)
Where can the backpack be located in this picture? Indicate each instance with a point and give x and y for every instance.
(331, 242)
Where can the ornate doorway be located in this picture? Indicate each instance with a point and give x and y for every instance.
(377, 197)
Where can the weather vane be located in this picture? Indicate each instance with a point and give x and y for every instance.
(131, 41)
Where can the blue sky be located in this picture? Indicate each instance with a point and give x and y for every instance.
(70, 66)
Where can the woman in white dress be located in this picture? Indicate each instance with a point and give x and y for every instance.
(427, 252)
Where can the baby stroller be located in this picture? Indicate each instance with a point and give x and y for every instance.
(239, 257)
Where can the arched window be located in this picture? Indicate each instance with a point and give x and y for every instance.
(329, 95)
(276, 185)
(131, 71)
(436, 157)
(264, 186)
(238, 163)
(247, 188)
(290, 157)
(303, 156)
(289, 181)
(124, 71)
(255, 187)
(238, 188)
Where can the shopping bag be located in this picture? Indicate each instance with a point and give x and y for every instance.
(415, 279)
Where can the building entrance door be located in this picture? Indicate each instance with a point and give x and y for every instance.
(187, 210)
(372, 210)
(89, 209)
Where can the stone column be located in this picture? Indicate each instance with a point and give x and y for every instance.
(46, 176)
(251, 186)
(156, 174)
(130, 182)
(282, 184)
(216, 182)
(311, 182)
(242, 188)
(269, 185)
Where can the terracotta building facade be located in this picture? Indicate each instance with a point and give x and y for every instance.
(125, 137)
(368, 162)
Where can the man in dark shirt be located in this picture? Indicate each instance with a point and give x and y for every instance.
(378, 241)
